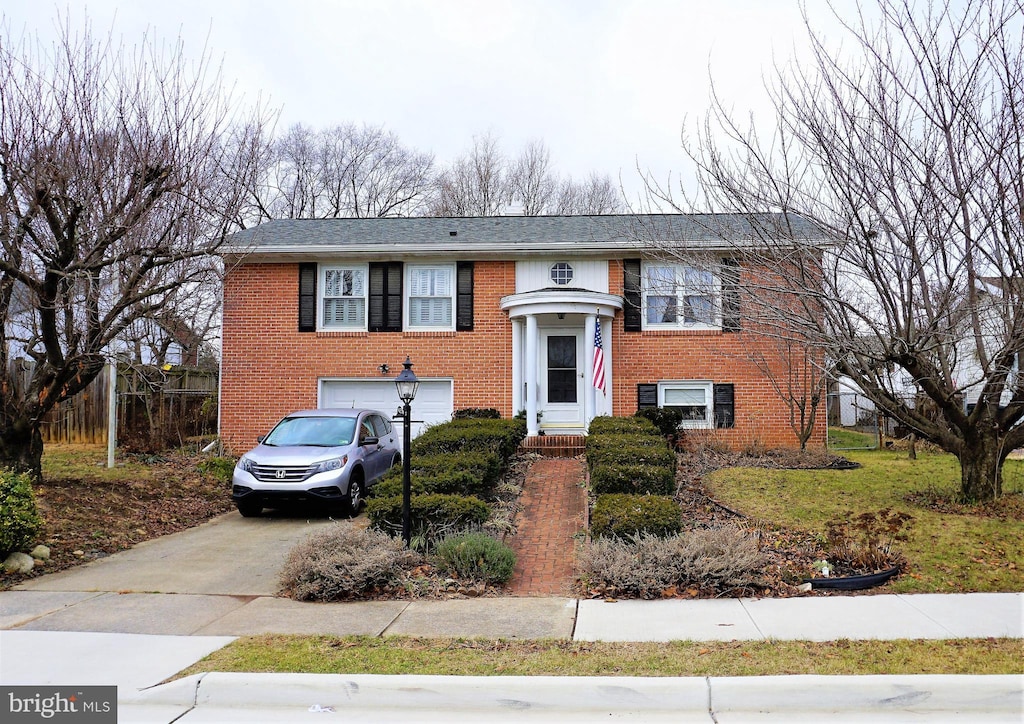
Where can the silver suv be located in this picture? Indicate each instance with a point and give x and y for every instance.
(323, 456)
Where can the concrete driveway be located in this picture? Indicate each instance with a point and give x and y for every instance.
(227, 556)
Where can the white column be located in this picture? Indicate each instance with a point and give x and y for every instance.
(518, 403)
(590, 398)
(530, 362)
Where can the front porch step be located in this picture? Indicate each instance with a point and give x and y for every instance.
(554, 446)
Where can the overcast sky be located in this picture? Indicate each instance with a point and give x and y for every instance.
(606, 84)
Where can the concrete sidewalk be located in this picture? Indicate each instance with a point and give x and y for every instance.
(888, 616)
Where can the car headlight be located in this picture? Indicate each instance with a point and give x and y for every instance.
(328, 465)
(245, 464)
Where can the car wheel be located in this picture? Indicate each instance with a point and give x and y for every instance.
(396, 460)
(249, 510)
(354, 497)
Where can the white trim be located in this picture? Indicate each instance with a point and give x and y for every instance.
(561, 301)
(321, 286)
(708, 388)
(407, 295)
(679, 269)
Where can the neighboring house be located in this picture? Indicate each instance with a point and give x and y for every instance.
(495, 312)
(854, 408)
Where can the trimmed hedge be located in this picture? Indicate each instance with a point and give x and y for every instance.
(628, 450)
(431, 512)
(619, 425)
(451, 482)
(623, 516)
(501, 436)
(627, 477)
(19, 519)
(462, 473)
(476, 413)
(666, 419)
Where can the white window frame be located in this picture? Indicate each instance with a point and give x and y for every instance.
(706, 386)
(408, 297)
(321, 296)
(679, 273)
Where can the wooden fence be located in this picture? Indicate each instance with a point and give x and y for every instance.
(155, 407)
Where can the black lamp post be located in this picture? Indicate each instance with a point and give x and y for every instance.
(407, 385)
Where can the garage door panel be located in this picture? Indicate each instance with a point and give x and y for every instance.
(433, 403)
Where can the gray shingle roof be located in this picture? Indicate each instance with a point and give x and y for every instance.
(507, 233)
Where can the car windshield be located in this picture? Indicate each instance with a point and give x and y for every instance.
(313, 431)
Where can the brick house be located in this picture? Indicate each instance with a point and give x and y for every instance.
(498, 312)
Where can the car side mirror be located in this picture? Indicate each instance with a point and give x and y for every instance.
(370, 440)
(261, 438)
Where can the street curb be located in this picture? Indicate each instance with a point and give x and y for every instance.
(992, 698)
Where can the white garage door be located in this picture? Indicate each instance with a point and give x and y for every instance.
(433, 403)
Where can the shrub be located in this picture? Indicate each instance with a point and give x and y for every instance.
(484, 465)
(638, 478)
(476, 413)
(451, 482)
(647, 566)
(433, 516)
(343, 562)
(867, 542)
(666, 419)
(628, 449)
(476, 557)
(219, 468)
(500, 436)
(619, 425)
(19, 519)
(622, 516)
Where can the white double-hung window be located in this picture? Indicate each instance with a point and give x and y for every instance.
(431, 295)
(695, 399)
(680, 296)
(343, 303)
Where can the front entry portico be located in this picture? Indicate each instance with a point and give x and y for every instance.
(553, 335)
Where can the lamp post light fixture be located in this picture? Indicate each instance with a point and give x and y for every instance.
(407, 385)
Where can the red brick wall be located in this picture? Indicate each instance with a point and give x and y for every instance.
(723, 357)
(270, 369)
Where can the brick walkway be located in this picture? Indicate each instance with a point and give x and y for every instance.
(553, 512)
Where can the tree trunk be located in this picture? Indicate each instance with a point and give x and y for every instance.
(981, 470)
(21, 447)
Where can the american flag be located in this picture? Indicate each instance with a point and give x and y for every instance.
(598, 358)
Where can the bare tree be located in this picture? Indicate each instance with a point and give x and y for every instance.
(120, 170)
(597, 195)
(905, 151)
(531, 182)
(342, 171)
(484, 183)
(475, 184)
(798, 377)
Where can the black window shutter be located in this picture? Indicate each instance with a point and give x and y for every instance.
(725, 405)
(631, 293)
(646, 396)
(393, 321)
(464, 296)
(730, 295)
(385, 297)
(307, 297)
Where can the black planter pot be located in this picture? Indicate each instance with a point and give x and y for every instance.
(854, 583)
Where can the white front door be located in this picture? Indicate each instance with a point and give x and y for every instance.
(560, 380)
